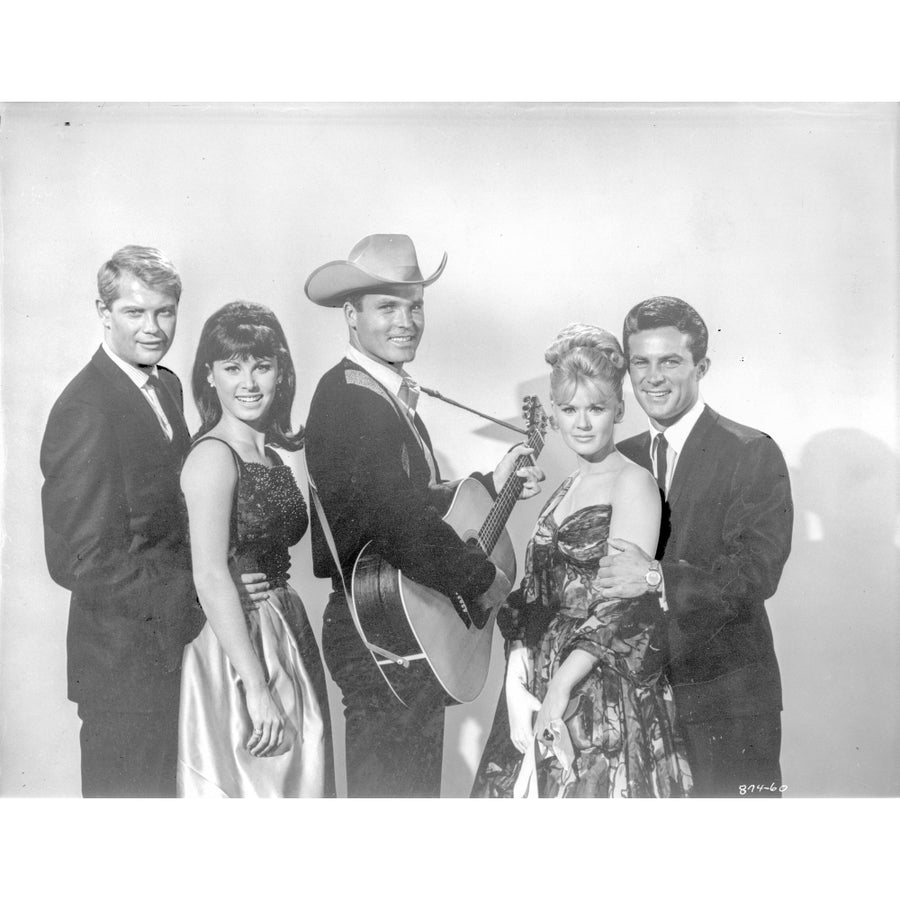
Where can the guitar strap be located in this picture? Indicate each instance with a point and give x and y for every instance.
(332, 548)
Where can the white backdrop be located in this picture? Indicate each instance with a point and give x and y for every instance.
(779, 223)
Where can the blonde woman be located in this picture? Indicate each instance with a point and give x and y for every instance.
(585, 704)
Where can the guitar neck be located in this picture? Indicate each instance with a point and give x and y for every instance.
(503, 506)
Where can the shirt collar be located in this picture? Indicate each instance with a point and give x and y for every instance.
(139, 376)
(677, 434)
(387, 376)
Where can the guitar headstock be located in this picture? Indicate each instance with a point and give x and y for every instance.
(534, 415)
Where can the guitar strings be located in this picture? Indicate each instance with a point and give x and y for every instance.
(490, 531)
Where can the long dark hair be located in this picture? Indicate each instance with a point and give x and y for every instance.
(240, 330)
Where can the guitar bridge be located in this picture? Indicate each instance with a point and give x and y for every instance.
(462, 611)
(392, 658)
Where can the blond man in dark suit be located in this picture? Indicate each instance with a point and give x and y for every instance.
(115, 532)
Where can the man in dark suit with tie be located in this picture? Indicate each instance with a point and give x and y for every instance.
(726, 535)
(371, 458)
(115, 532)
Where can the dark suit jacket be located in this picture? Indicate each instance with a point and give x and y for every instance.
(726, 536)
(373, 481)
(115, 534)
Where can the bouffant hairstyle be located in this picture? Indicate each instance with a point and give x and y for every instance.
(147, 264)
(240, 330)
(668, 312)
(584, 354)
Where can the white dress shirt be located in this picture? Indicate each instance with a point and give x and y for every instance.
(676, 436)
(386, 376)
(141, 377)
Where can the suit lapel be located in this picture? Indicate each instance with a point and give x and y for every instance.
(180, 434)
(643, 458)
(131, 395)
(691, 455)
(118, 380)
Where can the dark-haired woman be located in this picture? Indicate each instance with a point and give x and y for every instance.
(254, 716)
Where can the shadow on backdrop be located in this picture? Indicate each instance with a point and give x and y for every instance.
(836, 623)
(835, 619)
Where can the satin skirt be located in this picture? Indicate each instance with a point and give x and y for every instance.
(214, 726)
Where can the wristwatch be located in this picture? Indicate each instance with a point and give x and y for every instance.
(653, 576)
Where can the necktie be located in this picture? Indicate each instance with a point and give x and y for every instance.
(408, 395)
(660, 445)
(155, 391)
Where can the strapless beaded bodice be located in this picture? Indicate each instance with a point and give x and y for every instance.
(270, 516)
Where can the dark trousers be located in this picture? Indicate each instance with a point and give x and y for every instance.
(392, 750)
(735, 757)
(128, 754)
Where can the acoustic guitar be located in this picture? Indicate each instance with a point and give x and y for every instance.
(416, 633)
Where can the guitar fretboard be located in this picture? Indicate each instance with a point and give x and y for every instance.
(506, 500)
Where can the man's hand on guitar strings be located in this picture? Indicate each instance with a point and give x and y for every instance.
(531, 475)
(478, 610)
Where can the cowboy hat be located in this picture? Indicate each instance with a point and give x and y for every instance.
(376, 262)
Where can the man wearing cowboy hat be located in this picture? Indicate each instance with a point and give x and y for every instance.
(371, 458)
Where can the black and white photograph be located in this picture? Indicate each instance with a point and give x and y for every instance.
(771, 225)
(365, 451)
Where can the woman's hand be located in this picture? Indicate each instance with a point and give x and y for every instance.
(521, 704)
(559, 691)
(268, 722)
(553, 707)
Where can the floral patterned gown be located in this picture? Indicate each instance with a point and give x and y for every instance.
(269, 515)
(635, 750)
